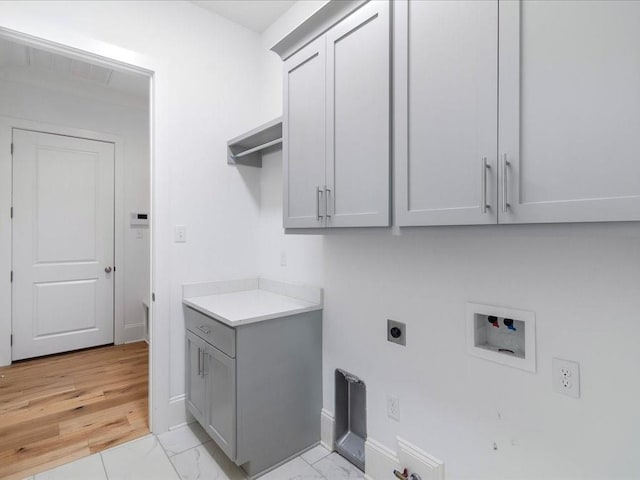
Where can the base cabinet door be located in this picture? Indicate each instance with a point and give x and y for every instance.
(446, 112)
(196, 395)
(569, 105)
(220, 373)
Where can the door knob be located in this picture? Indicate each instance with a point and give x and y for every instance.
(108, 269)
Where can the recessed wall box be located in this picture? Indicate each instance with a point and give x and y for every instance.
(502, 335)
(139, 219)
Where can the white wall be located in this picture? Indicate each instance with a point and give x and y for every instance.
(52, 99)
(209, 91)
(303, 253)
(583, 283)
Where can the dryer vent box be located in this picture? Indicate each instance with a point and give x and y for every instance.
(502, 335)
(351, 417)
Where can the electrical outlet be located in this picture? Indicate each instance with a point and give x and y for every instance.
(283, 258)
(396, 332)
(180, 234)
(393, 407)
(566, 377)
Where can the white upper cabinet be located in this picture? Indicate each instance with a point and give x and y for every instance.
(446, 112)
(336, 125)
(569, 104)
(358, 119)
(303, 136)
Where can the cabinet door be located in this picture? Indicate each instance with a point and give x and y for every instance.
(446, 113)
(196, 391)
(303, 131)
(358, 122)
(569, 111)
(220, 371)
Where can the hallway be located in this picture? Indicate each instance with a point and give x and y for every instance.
(57, 409)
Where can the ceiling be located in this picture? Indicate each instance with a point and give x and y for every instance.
(35, 61)
(255, 15)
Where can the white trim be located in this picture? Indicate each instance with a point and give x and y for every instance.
(327, 429)
(418, 461)
(7, 124)
(134, 333)
(380, 461)
(178, 413)
(51, 37)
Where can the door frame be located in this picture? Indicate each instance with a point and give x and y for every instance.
(56, 39)
(7, 124)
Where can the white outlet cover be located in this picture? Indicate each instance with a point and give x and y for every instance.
(566, 377)
(180, 234)
(393, 407)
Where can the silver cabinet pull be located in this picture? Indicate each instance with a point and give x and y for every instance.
(205, 372)
(108, 269)
(318, 193)
(199, 362)
(505, 177)
(204, 329)
(328, 202)
(483, 195)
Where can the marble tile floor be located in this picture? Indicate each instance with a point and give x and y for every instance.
(187, 453)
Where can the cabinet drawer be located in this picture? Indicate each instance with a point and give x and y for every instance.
(212, 331)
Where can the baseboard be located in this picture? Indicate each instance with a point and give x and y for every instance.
(327, 429)
(419, 461)
(380, 461)
(134, 333)
(178, 413)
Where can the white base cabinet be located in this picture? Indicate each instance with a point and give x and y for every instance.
(256, 388)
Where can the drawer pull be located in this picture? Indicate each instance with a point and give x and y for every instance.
(204, 329)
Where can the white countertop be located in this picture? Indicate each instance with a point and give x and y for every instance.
(249, 306)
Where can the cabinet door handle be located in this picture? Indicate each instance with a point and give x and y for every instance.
(199, 363)
(328, 202)
(205, 372)
(483, 172)
(318, 193)
(505, 177)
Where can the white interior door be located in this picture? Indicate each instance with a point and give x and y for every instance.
(63, 243)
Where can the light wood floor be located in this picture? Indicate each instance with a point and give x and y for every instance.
(56, 409)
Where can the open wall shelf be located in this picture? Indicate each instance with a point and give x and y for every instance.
(247, 149)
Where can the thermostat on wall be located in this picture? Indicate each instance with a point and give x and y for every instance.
(139, 219)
